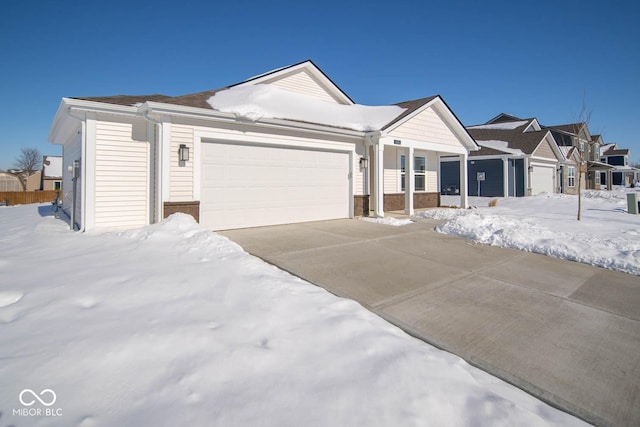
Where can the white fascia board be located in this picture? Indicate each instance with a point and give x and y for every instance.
(449, 159)
(215, 115)
(554, 146)
(76, 109)
(242, 138)
(543, 160)
(534, 124)
(498, 156)
(99, 107)
(422, 145)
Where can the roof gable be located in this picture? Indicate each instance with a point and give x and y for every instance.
(430, 119)
(503, 117)
(527, 142)
(305, 78)
(548, 148)
(574, 129)
(613, 150)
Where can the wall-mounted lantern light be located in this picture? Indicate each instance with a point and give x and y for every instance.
(183, 153)
(364, 163)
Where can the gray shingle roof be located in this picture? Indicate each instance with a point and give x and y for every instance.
(410, 106)
(613, 151)
(527, 142)
(573, 128)
(129, 100)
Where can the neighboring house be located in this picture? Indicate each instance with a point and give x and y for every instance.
(577, 135)
(286, 146)
(569, 176)
(516, 158)
(51, 173)
(48, 178)
(622, 173)
(33, 182)
(10, 182)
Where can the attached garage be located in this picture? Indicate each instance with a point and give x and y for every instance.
(542, 179)
(249, 185)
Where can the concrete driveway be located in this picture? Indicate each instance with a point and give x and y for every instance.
(565, 332)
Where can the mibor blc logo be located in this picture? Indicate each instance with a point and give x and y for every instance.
(32, 402)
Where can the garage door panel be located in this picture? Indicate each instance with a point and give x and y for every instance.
(246, 185)
(542, 179)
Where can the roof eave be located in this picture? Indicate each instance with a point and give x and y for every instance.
(159, 108)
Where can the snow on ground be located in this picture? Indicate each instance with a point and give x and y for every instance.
(172, 325)
(607, 236)
(396, 222)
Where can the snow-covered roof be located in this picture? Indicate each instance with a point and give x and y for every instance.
(52, 166)
(500, 146)
(267, 101)
(501, 125)
(613, 150)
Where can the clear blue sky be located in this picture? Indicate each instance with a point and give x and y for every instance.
(524, 58)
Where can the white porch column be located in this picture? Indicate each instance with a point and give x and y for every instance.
(408, 182)
(378, 171)
(527, 177)
(505, 174)
(464, 201)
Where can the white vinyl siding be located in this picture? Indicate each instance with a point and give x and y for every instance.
(302, 82)
(70, 152)
(432, 173)
(121, 174)
(426, 124)
(358, 172)
(390, 163)
(181, 188)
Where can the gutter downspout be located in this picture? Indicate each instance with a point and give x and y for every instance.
(158, 160)
(83, 149)
(368, 143)
(376, 192)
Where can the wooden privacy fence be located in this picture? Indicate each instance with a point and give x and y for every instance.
(27, 197)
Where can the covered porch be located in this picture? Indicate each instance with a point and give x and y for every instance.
(405, 175)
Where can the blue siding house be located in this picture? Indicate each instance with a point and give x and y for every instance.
(516, 158)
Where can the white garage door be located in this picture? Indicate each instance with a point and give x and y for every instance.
(542, 179)
(247, 185)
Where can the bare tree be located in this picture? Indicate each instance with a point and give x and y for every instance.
(29, 160)
(583, 150)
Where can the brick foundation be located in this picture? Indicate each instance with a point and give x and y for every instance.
(361, 205)
(395, 202)
(190, 208)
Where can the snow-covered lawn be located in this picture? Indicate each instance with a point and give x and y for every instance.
(172, 325)
(607, 236)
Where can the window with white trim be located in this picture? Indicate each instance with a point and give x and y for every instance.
(571, 176)
(419, 173)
